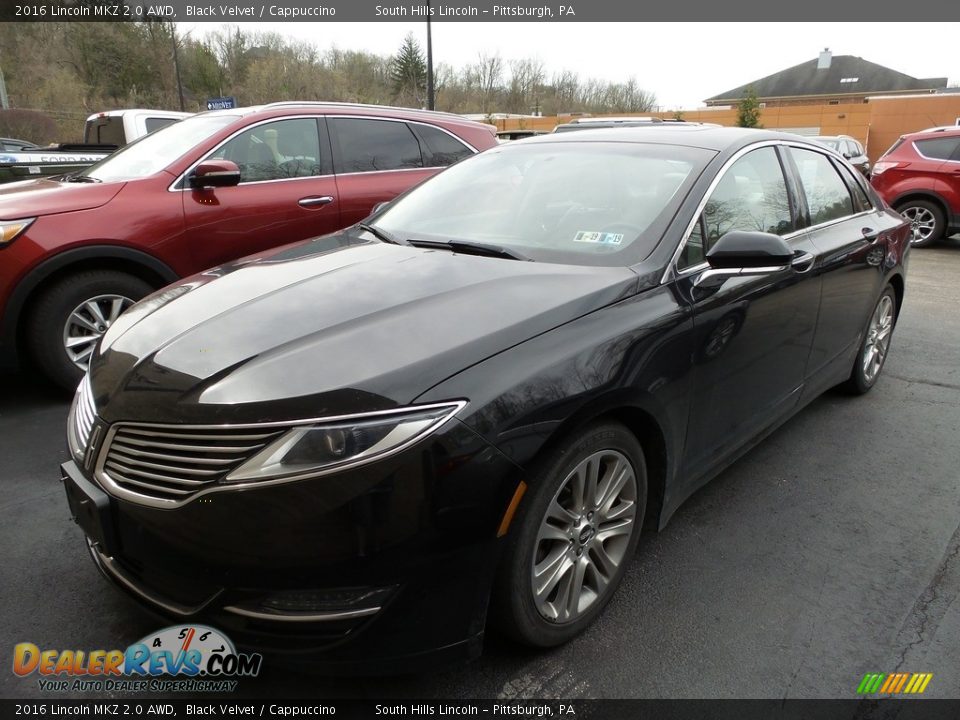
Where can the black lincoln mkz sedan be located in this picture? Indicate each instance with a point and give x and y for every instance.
(361, 448)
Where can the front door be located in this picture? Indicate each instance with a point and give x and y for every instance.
(287, 192)
(753, 333)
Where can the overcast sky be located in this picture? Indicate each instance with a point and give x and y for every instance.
(682, 63)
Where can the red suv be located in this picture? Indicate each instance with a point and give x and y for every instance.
(920, 177)
(77, 250)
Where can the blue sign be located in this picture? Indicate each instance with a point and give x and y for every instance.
(224, 103)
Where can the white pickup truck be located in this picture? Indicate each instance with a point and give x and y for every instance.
(102, 134)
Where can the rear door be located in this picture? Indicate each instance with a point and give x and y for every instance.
(376, 159)
(287, 192)
(851, 237)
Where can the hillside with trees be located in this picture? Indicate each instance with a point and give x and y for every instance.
(65, 71)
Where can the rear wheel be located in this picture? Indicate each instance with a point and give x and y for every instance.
(927, 224)
(71, 316)
(573, 537)
(875, 346)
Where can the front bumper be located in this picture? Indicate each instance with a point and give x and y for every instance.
(395, 558)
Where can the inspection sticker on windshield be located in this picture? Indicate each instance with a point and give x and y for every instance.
(598, 238)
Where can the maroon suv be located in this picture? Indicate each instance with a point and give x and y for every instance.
(77, 250)
(920, 177)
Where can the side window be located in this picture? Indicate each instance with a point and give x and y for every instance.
(751, 195)
(860, 200)
(375, 145)
(827, 195)
(441, 149)
(940, 148)
(274, 151)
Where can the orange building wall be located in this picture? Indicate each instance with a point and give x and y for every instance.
(876, 124)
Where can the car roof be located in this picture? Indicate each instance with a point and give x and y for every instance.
(943, 131)
(707, 137)
(342, 108)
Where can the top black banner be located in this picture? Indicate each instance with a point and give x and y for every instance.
(238, 11)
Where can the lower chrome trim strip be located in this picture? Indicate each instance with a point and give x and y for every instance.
(303, 617)
(112, 571)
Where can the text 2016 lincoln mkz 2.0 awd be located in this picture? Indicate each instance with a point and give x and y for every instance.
(364, 447)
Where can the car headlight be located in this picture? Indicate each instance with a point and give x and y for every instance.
(343, 442)
(10, 230)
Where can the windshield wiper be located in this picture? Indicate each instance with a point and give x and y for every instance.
(471, 248)
(382, 234)
(74, 177)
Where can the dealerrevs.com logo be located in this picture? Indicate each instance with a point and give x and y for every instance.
(180, 658)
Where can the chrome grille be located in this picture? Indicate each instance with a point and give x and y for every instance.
(84, 414)
(172, 463)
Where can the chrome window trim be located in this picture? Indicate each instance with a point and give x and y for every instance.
(116, 490)
(672, 272)
(182, 177)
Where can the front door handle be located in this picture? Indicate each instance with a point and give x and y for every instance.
(315, 201)
(802, 262)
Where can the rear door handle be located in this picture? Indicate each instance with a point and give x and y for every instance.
(315, 201)
(870, 234)
(802, 262)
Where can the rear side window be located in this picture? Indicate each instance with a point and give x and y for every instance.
(941, 148)
(441, 148)
(375, 145)
(827, 195)
(860, 200)
(155, 123)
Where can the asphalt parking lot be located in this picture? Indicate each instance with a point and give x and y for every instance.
(830, 551)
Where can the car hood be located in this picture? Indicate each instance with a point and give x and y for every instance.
(31, 198)
(330, 326)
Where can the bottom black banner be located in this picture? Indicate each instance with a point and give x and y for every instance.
(448, 709)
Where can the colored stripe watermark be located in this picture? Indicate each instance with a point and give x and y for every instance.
(894, 683)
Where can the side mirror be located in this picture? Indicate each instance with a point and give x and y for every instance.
(743, 249)
(215, 173)
(847, 155)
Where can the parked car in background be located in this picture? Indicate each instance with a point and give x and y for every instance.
(15, 145)
(349, 449)
(508, 135)
(121, 127)
(103, 133)
(77, 250)
(850, 149)
(920, 177)
(602, 122)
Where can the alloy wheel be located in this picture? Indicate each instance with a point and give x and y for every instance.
(878, 339)
(87, 323)
(922, 223)
(584, 536)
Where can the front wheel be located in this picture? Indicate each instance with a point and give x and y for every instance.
(875, 345)
(573, 537)
(71, 316)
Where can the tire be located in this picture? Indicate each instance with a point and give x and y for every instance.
(47, 331)
(927, 222)
(553, 619)
(883, 319)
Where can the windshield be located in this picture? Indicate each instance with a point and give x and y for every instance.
(589, 203)
(153, 152)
